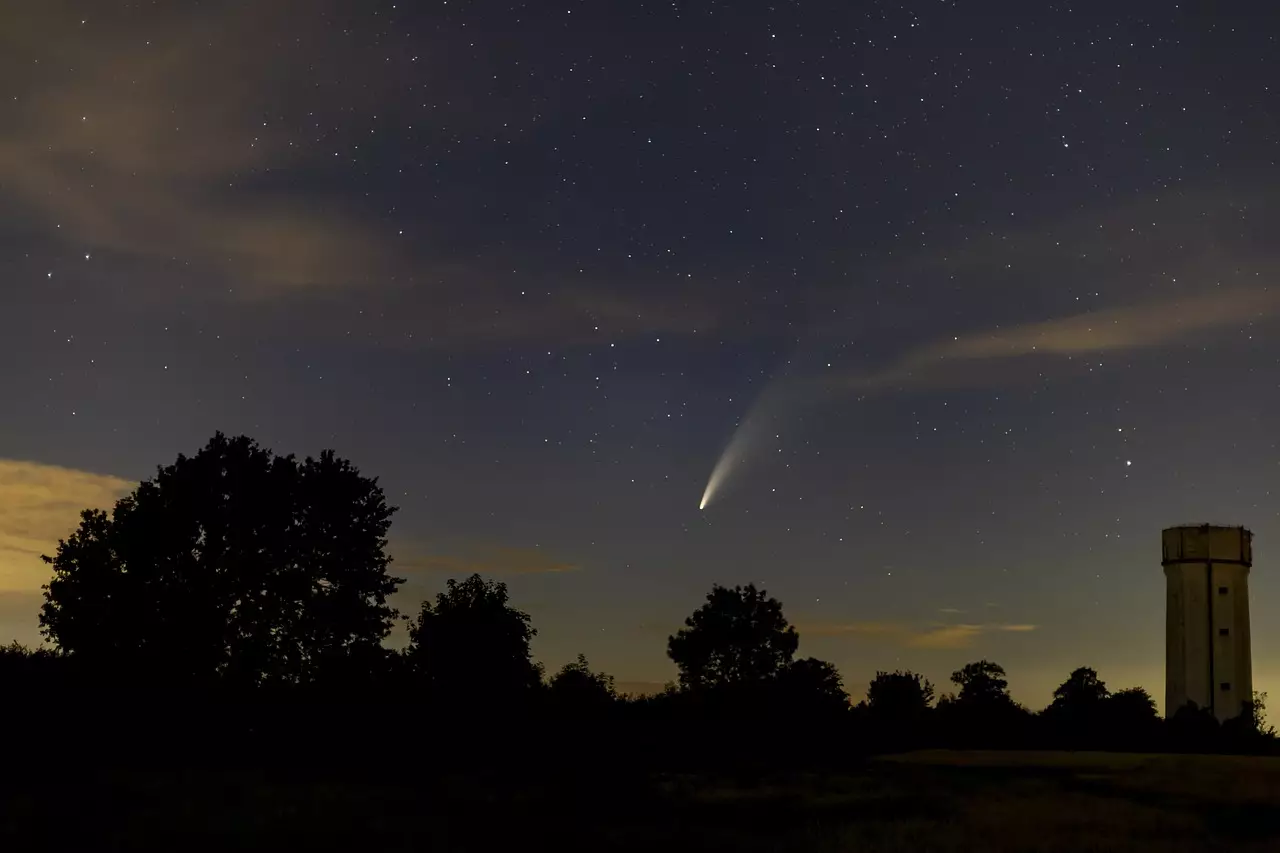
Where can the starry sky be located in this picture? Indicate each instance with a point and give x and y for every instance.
(978, 295)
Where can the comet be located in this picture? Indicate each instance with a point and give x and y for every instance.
(961, 360)
(780, 399)
(720, 472)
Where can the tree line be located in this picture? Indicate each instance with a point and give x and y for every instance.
(260, 582)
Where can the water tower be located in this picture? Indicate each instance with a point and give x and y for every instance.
(1207, 659)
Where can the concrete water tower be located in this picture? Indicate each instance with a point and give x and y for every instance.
(1207, 659)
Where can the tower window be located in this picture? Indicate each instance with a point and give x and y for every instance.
(1223, 632)
(1226, 685)
(1222, 590)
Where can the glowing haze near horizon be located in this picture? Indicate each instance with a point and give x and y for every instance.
(959, 303)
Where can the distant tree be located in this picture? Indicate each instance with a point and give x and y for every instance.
(738, 636)
(233, 564)
(669, 703)
(982, 683)
(1193, 729)
(899, 696)
(575, 689)
(1256, 711)
(1132, 706)
(15, 654)
(471, 648)
(1130, 720)
(366, 668)
(810, 687)
(1077, 715)
(25, 671)
(1248, 731)
(1082, 689)
(983, 713)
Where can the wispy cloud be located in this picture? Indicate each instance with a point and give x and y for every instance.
(39, 504)
(193, 137)
(945, 637)
(957, 636)
(486, 560)
(1149, 324)
(140, 151)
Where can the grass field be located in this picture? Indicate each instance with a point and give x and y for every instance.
(945, 801)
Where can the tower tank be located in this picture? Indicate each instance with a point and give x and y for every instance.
(1207, 654)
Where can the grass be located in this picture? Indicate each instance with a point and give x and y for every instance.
(925, 801)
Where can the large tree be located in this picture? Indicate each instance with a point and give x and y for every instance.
(1082, 690)
(982, 683)
(1080, 709)
(234, 564)
(811, 687)
(899, 697)
(983, 714)
(575, 689)
(1133, 704)
(1079, 700)
(471, 648)
(1132, 720)
(739, 636)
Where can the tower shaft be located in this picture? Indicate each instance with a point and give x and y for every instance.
(1207, 655)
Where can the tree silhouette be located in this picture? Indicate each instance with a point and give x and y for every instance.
(233, 564)
(1255, 712)
(471, 648)
(899, 697)
(738, 637)
(1079, 709)
(1194, 728)
(810, 688)
(1248, 731)
(983, 714)
(576, 690)
(1082, 689)
(1130, 719)
(1133, 704)
(981, 683)
(30, 672)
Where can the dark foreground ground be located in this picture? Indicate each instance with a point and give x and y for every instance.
(924, 801)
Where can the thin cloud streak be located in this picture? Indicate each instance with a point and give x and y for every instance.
(945, 637)
(40, 504)
(146, 155)
(135, 154)
(1144, 325)
(913, 636)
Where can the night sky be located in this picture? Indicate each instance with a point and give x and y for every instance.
(990, 288)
